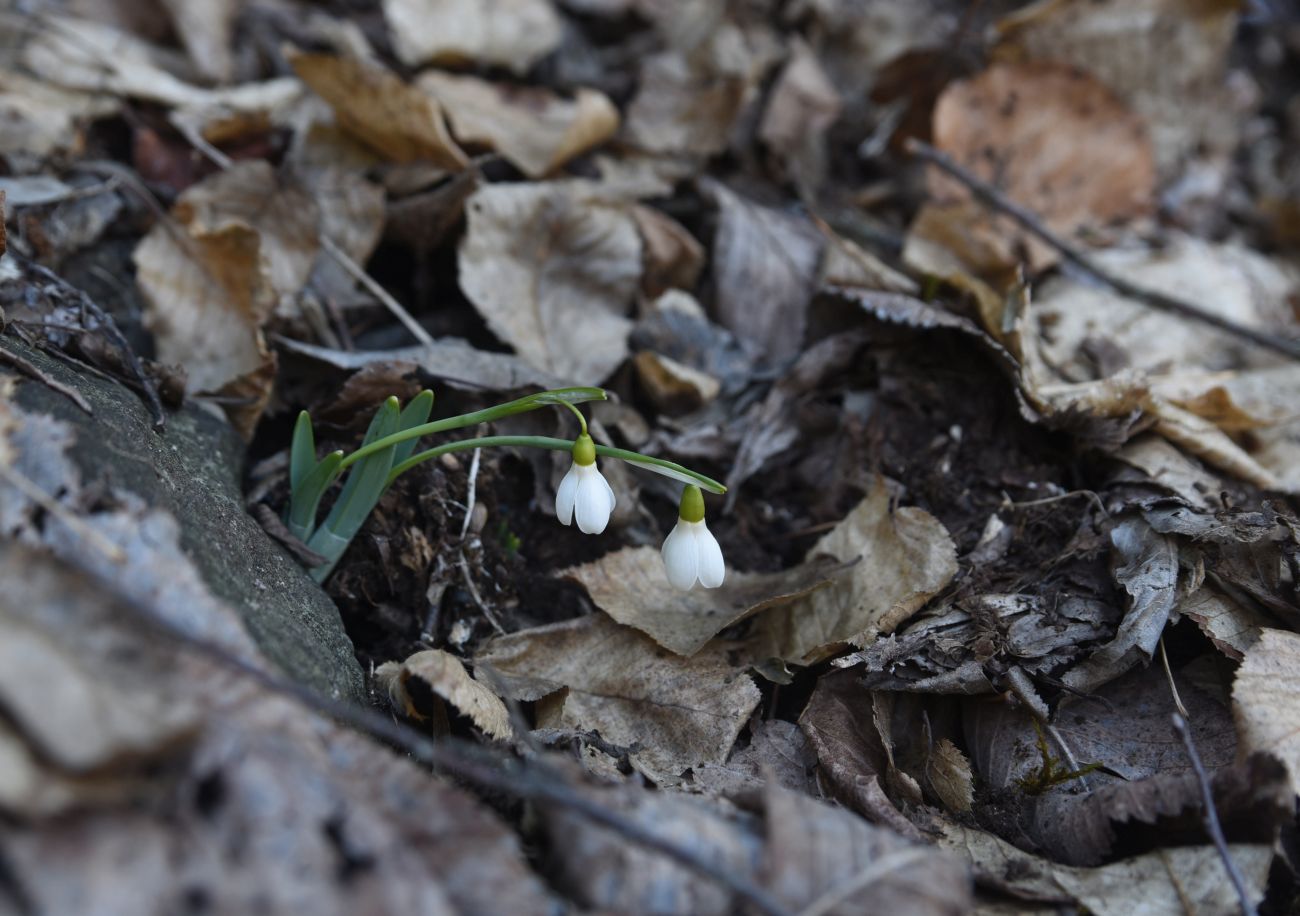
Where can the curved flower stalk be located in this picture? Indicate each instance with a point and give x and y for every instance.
(388, 451)
(691, 552)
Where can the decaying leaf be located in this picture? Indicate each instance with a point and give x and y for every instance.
(777, 750)
(207, 30)
(1165, 58)
(236, 246)
(673, 258)
(680, 712)
(553, 269)
(536, 130)
(629, 585)
(39, 119)
(445, 675)
(902, 559)
(1233, 626)
(765, 264)
(507, 33)
(683, 108)
(1055, 141)
(1160, 883)
(948, 773)
(802, 107)
(1266, 699)
(398, 121)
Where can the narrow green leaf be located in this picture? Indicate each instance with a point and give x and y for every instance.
(414, 414)
(308, 493)
(302, 450)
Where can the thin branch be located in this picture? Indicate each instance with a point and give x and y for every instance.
(1211, 817)
(991, 197)
(32, 371)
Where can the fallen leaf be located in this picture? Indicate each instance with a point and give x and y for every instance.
(237, 245)
(207, 30)
(777, 750)
(553, 269)
(673, 257)
(1233, 626)
(41, 119)
(902, 559)
(1169, 468)
(683, 108)
(630, 586)
(532, 128)
(765, 263)
(800, 110)
(397, 120)
(1166, 58)
(1054, 141)
(1266, 699)
(445, 675)
(514, 34)
(948, 773)
(680, 712)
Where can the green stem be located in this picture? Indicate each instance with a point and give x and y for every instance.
(659, 465)
(563, 396)
(582, 421)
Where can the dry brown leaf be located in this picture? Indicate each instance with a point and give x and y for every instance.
(1168, 467)
(207, 30)
(238, 244)
(1054, 141)
(630, 586)
(445, 675)
(765, 263)
(948, 773)
(777, 750)
(1234, 627)
(533, 128)
(1160, 883)
(1266, 699)
(673, 257)
(40, 119)
(682, 108)
(801, 109)
(514, 34)
(1166, 58)
(672, 387)
(398, 121)
(901, 558)
(680, 712)
(553, 269)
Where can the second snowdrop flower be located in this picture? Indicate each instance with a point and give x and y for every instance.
(691, 552)
(584, 492)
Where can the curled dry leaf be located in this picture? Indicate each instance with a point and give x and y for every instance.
(1166, 58)
(445, 675)
(765, 264)
(630, 586)
(534, 129)
(901, 558)
(236, 246)
(680, 712)
(553, 268)
(1266, 699)
(673, 257)
(506, 33)
(1233, 626)
(396, 120)
(40, 119)
(801, 109)
(948, 774)
(682, 107)
(207, 30)
(1054, 141)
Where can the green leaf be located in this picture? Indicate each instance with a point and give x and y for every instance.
(566, 396)
(307, 494)
(415, 414)
(302, 451)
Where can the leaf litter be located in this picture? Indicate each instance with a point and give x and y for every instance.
(990, 523)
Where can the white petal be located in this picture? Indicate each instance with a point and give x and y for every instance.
(712, 569)
(592, 504)
(565, 496)
(681, 561)
(613, 501)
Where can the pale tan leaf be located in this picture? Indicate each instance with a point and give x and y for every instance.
(1171, 469)
(533, 128)
(630, 585)
(1234, 627)
(1166, 58)
(396, 120)
(207, 30)
(949, 774)
(682, 108)
(553, 269)
(507, 33)
(1266, 699)
(680, 712)
(1054, 141)
(446, 676)
(39, 118)
(673, 257)
(800, 110)
(902, 559)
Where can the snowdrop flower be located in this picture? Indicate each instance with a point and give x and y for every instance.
(583, 491)
(691, 552)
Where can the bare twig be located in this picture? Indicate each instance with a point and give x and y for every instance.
(31, 371)
(991, 197)
(26, 486)
(471, 493)
(478, 599)
(864, 879)
(1211, 816)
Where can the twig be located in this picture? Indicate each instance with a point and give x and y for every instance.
(26, 486)
(478, 599)
(471, 492)
(990, 196)
(32, 371)
(1210, 815)
(486, 769)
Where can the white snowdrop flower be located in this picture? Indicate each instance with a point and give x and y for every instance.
(691, 552)
(584, 492)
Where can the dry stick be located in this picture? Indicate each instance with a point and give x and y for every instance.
(991, 197)
(533, 781)
(32, 371)
(1210, 815)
